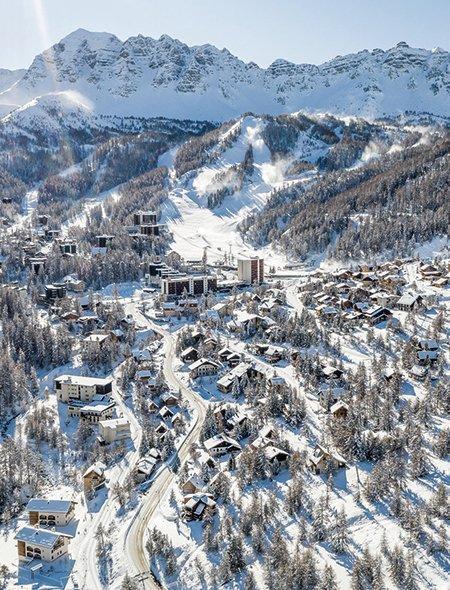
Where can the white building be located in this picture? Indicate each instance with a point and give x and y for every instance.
(45, 545)
(50, 512)
(251, 270)
(114, 429)
(82, 388)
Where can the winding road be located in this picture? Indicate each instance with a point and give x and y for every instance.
(134, 544)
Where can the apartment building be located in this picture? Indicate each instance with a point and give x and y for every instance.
(113, 430)
(50, 512)
(71, 387)
(251, 270)
(42, 544)
(176, 285)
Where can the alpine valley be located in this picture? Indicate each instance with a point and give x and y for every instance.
(224, 298)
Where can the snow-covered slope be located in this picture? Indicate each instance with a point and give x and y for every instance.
(197, 223)
(9, 77)
(164, 77)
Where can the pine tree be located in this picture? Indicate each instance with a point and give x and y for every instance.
(129, 584)
(339, 532)
(236, 554)
(328, 579)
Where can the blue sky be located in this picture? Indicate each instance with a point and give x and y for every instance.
(254, 30)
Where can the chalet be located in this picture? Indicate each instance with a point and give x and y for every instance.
(50, 513)
(324, 461)
(275, 455)
(276, 383)
(427, 357)
(189, 355)
(234, 422)
(274, 354)
(91, 412)
(233, 359)
(429, 271)
(94, 477)
(210, 343)
(197, 505)
(427, 344)
(142, 356)
(441, 282)
(329, 394)
(146, 465)
(151, 406)
(70, 317)
(82, 388)
(193, 485)
(225, 383)
(203, 367)
(390, 373)
(144, 375)
(127, 322)
(74, 284)
(221, 444)
(331, 373)
(94, 340)
(114, 430)
(170, 399)
(327, 310)
(383, 298)
(41, 544)
(202, 458)
(376, 315)
(221, 309)
(89, 321)
(165, 413)
(339, 409)
(409, 301)
(252, 322)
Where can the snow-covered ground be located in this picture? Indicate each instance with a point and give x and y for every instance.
(195, 227)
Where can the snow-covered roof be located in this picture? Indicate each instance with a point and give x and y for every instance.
(202, 361)
(43, 538)
(43, 505)
(98, 467)
(408, 299)
(81, 380)
(338, 406)
(113, 422)
(220, 440)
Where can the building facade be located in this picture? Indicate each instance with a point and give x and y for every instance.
(251, 270)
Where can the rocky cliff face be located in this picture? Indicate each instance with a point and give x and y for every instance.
(164, 77)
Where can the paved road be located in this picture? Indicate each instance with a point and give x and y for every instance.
(135, 551)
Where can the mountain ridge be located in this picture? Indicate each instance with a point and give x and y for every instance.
(149, 77)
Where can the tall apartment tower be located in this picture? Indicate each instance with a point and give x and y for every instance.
(251, 270)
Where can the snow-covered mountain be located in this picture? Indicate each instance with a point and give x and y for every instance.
(164, 77)
(9, 77)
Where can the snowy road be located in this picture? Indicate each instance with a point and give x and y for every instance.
(87, 562)
(135, 551)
